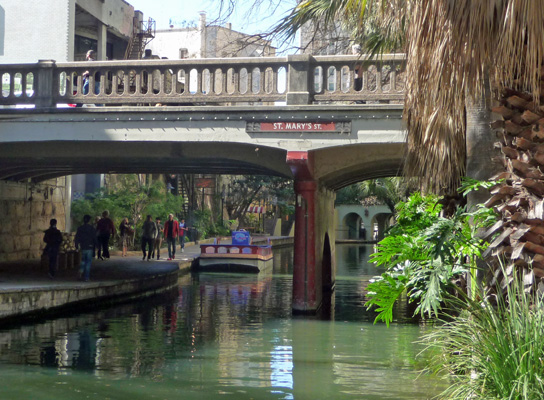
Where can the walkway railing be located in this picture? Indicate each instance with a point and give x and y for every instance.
(297, 79)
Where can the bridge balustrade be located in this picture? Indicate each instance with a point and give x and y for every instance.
(340, 78)
(299, 79)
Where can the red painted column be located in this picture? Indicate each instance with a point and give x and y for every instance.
(305, 296)
(306, 293)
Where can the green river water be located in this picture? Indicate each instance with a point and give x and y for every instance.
(222, 336)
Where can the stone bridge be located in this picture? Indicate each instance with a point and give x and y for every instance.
(325, 122)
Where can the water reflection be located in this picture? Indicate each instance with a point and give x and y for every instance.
(220, 335)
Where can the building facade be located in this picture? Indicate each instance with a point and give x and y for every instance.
(208, 41)
(63, 30)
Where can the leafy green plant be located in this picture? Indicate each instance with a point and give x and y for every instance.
(424, 253)
(470, 185)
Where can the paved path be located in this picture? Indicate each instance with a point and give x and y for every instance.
(28, 274)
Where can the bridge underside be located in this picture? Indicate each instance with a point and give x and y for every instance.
(222, 140)
(46, 160)
(336, 167)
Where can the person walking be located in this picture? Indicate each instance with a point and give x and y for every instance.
(149, 234)
(52, 238)
(90, 56)
(95, 226)
(171, 232)
(86, 241)
(124, 232)
(105, 229)
(182, 230)
(158, 240)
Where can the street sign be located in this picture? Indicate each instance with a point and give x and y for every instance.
(299, 126)
(204, 182)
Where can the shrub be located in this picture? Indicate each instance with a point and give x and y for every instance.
(424, 253)
(494, 349)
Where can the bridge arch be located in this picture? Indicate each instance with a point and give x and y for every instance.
(350, 217)
(353, 223)
(340, 166)
(380, 222)
(46, 160)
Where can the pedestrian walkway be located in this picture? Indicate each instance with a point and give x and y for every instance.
(26, 289)
(29, 274)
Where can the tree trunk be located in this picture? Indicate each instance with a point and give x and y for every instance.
(519, 236)
(480, 146)
(480, 155)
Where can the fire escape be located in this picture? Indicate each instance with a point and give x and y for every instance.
(143, 33)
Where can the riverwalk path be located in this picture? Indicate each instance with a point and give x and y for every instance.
(27, 292)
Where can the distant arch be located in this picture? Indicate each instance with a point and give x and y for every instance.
(352, 222)
(357, 222)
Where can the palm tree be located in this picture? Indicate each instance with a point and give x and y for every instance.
(454, 49)
(390, 191)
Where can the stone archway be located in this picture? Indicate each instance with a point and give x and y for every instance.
(351, 225)
(380, 222)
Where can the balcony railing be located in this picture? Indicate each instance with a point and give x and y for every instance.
(295, 80)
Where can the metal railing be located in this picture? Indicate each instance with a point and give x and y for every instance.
(296, 80)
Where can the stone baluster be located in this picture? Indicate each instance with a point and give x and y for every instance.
(338, 75)
(249, 81)
(393, 79)
(236, 78)
(224, 81)
(379, 83)
(274, 80)
(199, 81)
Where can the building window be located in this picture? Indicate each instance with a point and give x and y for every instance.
(82, 45)
(183, 53)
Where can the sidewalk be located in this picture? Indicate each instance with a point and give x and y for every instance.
(28, 274)
(26, 290)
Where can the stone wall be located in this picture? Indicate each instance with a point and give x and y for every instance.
(25, 210)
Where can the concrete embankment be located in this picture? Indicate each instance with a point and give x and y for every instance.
(26, 291)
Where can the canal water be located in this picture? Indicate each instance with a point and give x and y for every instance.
(222, 336)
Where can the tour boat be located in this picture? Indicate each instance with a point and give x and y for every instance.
(240, 256)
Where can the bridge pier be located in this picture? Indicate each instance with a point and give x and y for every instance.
(314, 261)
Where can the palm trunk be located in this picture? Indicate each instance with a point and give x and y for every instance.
(480, 164)
(520, 197)
(480, 146)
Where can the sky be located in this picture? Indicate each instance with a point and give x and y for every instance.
(179, 12)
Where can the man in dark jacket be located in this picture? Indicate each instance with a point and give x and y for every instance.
(149, 233)
(86, 241)
(158, 240)
(53, 239)
(105, 229)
